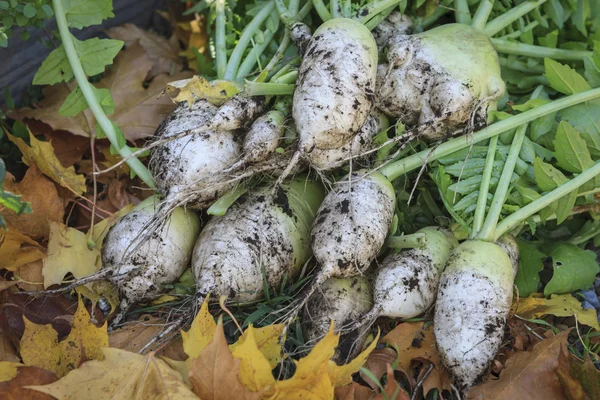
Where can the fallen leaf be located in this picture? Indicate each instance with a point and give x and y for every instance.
(94, 291)
(138, 110)
(415, 341)
(267, 340)
(392, 389)
(7, 350)
(188, 90)
(201, 332)
(6, 284)
(42, 155)
(255, 370)
(8, 370)
(377, 363)
(17, 249)
(29, 276)
(197, 40)
(580, 380)
(135, 335)
(40, 346)
(14, 389)
(214, 373)
(311, 381)
(341, 375)
(528, 375)
(68, 148)
(163, 52)
(120, 376)
(562, 305)
(354, 391)
(40, 191)
(68, 252)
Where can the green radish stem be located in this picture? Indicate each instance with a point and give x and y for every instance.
(520, 66)
(252, 57)
(482, 14)
(346, 8)
(220, 46)
(522, 49)
(268, 89)
(244, 40)
(462, 15)
(485, 185)
(516, 34)
(507, 18)
(373, 8)
(414, 240)
(220, 207)
(491, 221)
(376, 20)
(86, 88)
(441, 10)
(334, 8)
(394, 170)
(321, 10)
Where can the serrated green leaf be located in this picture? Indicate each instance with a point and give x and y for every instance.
(574, 269)
(556, 12)
(592, 72)
(570, 149)
(95, 54)
(76, 103)
(549, 40)
(584, 118)
(531, 262)
(580, 16)
(563, 78)
(546, 176)
(83, 13)
(527, 194)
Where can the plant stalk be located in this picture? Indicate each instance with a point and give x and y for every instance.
(395, 170)
(321, 10)
(220, 46)
(482, 14)
(462, 15)
(484, 188)
(507, 18)
(522, 49)
(107, 126)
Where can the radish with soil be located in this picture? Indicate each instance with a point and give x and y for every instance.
(142, 275)
(265, 236)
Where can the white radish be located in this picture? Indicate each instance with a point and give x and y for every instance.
(265, 236)
(474, 299)
(440, 79)
(326, 160)
(194, 163)
(395, 24)
(142, 274)
(342, 301)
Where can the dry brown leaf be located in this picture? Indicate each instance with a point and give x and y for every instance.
(392, 389)
(528, 375)
(7, 350)
(163, 52)
(580, 380)
(6, 284)
(138, 110)
(415, 341)
(45, 203)
(26, 376)
(17, 249)
(69, 148)
(135, 335)
(214, 374)
(29, 276)
(120, 376)
(354, 391)
(377, 364)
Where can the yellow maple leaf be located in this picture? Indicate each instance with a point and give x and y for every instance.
(562, 305)
(42, 154)
(216, 92)
(267, 340)
(121, 375)
(68, 252)
(341, 375)
(255, 370)
(40, 346)
(8, 370)
(201, 332)
(311, 381)
(17, 249)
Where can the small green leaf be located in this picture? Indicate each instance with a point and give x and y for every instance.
(8, 99)
(570, 149)
(21, 20)
(14, 203)
(556, 11)
(83, 13)
(584, 118)
(530, 104)
(527, 194)
(76, 103)
(2, 172)
(592, 72)
(563, 78)
(48, 10)
(3, 5)
(546, 176)
(95, 54)
(580, 16)
(550, 40)
(3, 40)
(29, 10)
(531, 262)
(574, 269)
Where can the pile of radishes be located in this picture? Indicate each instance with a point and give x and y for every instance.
(301, 188)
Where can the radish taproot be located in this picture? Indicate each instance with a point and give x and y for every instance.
(326, 160)
(265, 235)
(334, 91)
(474, 299)
(196, 162)
(443, 77)
(343, 301)
(160, 260)
(395, 24)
